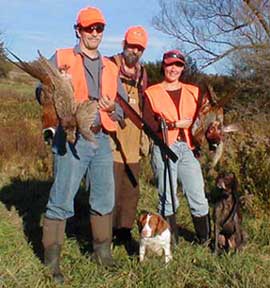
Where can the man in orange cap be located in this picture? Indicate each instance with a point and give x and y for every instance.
(93, 77)
(131, 143)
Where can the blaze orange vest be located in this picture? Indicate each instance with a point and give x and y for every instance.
(74, 63)
(163, 105)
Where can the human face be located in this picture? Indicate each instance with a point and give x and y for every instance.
(91, 36)
(172, 72)
(132, 54)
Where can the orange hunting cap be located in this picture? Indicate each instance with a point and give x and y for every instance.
(173, 56)
(136, 35)
(89, 16)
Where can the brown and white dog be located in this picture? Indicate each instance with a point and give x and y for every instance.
(227, 217)
(155, 235)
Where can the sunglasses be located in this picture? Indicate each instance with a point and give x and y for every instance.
(179, 64)
(99, 28)
(174, 55)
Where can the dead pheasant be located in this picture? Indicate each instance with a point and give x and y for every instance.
(209, 123)
(49, 119)
(57, 99)
(85, 117)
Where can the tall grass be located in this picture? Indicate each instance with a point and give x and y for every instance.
(26, 177)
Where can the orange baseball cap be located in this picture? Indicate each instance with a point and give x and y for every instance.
(89, 16)
(136, 35)
(173, 56)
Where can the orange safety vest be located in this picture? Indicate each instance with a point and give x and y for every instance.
(74, 63)
(163, 105)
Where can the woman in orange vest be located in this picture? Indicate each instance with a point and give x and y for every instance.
(94, 77)
(174, 103)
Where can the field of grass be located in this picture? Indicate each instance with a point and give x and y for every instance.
(25, 179)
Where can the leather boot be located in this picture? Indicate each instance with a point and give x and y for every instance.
(102, 239)
(202, 228)
(124, 237)
(171, 219)
(53, 238)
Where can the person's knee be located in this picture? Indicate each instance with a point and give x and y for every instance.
(58, 212)
(102, 206)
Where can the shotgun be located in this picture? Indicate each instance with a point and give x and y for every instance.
(167, 167)
(141, 124)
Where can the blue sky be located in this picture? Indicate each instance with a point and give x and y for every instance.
(29, 25)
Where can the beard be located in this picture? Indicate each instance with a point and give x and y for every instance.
(130, 58)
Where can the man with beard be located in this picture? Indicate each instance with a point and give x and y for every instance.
(130, 143)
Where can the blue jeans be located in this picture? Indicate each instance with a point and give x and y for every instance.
(70, 165)
(186, 170)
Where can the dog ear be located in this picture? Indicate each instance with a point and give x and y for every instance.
(162, 224)
(139, 222)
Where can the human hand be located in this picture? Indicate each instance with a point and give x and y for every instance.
(106, 104)
(184, 123)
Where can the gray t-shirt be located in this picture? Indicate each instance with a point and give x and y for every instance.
(92, 72)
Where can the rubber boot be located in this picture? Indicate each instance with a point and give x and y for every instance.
(102, 239)
(171, 219)
(53, 239)
(202, 228)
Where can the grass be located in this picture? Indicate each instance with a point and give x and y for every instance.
(25, 179)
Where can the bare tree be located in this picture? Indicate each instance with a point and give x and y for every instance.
(253, 67)
(211, 30)
(261, 18)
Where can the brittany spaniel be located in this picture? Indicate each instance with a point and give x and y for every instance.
(155, 236)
